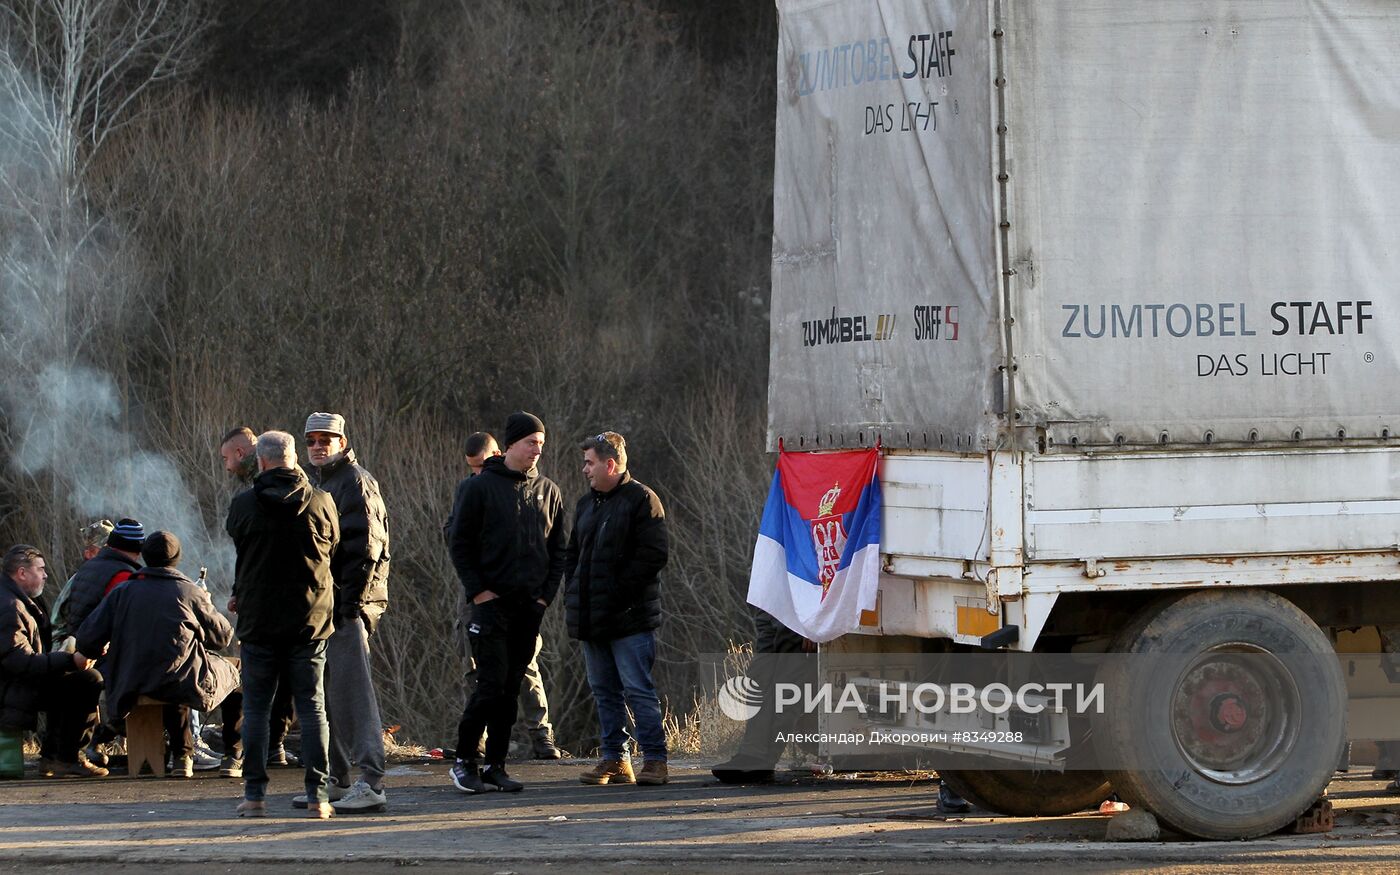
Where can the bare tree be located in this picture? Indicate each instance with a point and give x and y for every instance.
(72, 74)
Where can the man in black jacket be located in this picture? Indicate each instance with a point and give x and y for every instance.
(507, 542)
(534, 703)
(613, 606)
(284, 530)
(164, 634)
(33, 678)
(360, 566)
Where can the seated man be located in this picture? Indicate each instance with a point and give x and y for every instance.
(33, 678)
(161, 627)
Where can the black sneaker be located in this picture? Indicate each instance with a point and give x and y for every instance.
(497, 775)
(950, 802)
(467, 778)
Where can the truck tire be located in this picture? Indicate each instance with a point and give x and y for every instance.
(1228, 716)
(1029, 793)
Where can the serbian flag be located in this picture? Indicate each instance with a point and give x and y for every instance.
(817, 562)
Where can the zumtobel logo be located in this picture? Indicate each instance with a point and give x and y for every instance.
(740, 698)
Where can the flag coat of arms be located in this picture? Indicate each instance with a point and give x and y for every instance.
(817, 562)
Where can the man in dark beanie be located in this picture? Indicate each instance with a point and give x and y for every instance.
(101, 574)
(163, 632)
(507, 542)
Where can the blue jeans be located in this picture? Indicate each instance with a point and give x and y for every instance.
(619, 672)
(303, 665)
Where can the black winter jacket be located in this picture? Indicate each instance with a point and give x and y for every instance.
(361, 562)
(90, 585)
(161, 626)
(285, 531)
(508, 534)
(26, 662)
(615, 555)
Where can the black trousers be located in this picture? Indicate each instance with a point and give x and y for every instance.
(503, 643)
(180, 729)
(69, 703)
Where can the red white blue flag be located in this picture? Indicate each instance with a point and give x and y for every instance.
(817, 562)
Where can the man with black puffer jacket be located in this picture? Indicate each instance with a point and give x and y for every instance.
(613, 606)
(360, 566)
(507, 541)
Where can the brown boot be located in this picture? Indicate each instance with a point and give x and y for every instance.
(653, 772)
(609, 772)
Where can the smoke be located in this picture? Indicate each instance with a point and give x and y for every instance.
(67, 278)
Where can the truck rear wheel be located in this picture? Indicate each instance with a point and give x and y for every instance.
(1228, 716)
(1029, 793)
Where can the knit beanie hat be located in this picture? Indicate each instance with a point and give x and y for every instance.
(330, 423)
(520, 425)
(161, 550)
(127, 535)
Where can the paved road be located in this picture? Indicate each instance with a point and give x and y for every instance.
(858, 824)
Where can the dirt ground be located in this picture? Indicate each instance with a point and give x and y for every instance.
(863, 823)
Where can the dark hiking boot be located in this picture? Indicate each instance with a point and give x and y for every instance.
(950, 802)
(497, 775)
(743, 770)
(542, 747)
(609, 772)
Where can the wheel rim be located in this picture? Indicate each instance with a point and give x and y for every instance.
(1234, 713)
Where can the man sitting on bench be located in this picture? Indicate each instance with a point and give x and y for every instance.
(162, 628)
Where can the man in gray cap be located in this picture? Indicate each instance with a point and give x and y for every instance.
(360, 567)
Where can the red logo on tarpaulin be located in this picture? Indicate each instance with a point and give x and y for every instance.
(829, 538)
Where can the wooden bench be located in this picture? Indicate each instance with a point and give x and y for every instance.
(145, 738)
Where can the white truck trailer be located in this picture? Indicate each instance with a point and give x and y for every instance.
(1113, 283)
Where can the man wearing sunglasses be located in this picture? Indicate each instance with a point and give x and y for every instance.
(360, 567)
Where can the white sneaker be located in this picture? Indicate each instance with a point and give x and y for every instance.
(361, 798)
(333, 792)
(205, 760)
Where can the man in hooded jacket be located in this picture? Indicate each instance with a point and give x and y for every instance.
(285, 531)
(161, 627)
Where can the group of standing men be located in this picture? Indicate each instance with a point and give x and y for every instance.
(513, 551)
(311, 584)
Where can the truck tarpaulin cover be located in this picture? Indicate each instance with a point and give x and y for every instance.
(1205, 217)
(884, 260)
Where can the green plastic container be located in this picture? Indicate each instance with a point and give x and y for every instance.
(11, 753)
